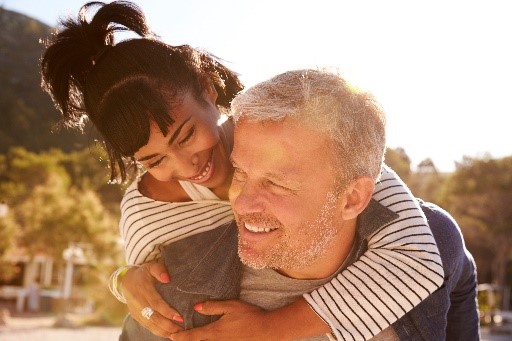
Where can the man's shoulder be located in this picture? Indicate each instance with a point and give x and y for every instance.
(447, 235)
(430, 319)
(440, 220)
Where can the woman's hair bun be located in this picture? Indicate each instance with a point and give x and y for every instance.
(77, 47)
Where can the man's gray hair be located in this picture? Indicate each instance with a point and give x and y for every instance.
(327, 103)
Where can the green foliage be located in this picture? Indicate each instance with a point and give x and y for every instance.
(56, 217)
(478, 194)
(7, 231)
(7, 240)
(427, 181)
(54, 202)
(427, 166)
(22, 171)
(109, 311)
(479, 175)
(398, 160)
(88, 168)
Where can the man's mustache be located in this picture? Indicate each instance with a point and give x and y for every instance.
(259, 219)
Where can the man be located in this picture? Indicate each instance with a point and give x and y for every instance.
(307, 153)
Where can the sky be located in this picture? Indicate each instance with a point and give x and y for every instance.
(442, 70)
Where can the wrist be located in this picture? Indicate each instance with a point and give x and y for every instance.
(279, 327)
(114, 283)
(295, 321)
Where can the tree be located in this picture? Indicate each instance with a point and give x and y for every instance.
(55, 216)
(7, 239)
(54, 204)
(427, 181)
(88, 169)
(478, 194)
(427, 166)
(398, 160)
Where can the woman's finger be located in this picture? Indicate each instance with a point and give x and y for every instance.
(157, 324)
(158, 271)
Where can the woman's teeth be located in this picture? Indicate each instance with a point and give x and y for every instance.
(258, 229)
(205, 171)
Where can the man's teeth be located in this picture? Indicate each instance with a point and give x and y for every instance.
(254, 228)
(206, 169)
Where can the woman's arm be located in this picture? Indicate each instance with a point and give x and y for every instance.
(138, 289)
(146, 225)
(243, 321)
(401, 267)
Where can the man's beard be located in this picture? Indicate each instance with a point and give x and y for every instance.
(290, 252)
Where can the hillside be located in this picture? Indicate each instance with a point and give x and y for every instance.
(27, 114)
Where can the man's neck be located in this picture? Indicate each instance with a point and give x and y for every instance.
(329, 261)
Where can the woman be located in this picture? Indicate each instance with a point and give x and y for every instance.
(159, 106)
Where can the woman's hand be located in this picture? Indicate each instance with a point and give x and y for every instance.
(243, 321)
(138, 286)
(239, 321)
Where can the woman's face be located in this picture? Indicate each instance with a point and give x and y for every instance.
(192, 150)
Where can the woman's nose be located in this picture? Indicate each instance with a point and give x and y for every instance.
(185, 165)
(195, 160)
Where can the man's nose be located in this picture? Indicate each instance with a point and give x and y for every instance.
(247, 198)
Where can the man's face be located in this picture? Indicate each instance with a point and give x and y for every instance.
(283, 194)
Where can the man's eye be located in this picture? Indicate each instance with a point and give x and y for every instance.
(273, 184)
(187, 137)
(238, 174)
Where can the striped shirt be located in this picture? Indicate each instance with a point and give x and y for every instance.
(146, 225)
(401, 267)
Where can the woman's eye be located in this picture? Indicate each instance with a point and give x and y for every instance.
(188, 136)
(156, 163)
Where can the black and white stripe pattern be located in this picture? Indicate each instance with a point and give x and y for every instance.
(146, 225)
(400, 269)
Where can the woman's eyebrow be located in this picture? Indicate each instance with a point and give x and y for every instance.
(177, 131)
(171, 140)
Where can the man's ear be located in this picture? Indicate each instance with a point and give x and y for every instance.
(357, 196)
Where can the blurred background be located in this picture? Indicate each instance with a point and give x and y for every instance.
(441, 70)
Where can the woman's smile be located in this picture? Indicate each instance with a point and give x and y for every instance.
(205, 173)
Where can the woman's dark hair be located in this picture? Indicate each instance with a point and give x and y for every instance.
(122, 87)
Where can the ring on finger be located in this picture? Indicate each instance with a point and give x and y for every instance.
(147, 312)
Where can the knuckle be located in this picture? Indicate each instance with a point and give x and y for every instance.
(165, 325)
(166, 309)
(155, 301)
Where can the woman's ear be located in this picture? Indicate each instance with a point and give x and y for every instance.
(209, 91)
(357, 196)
